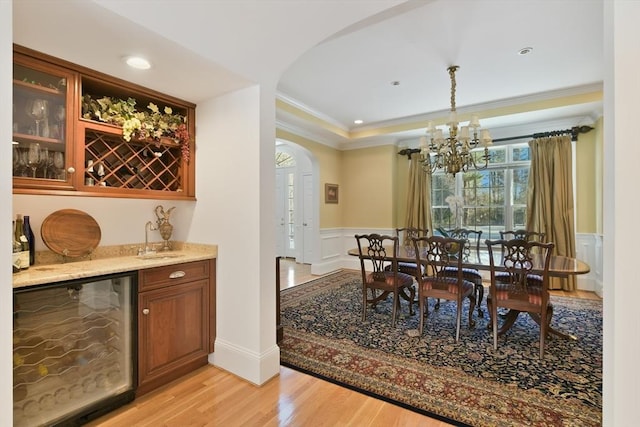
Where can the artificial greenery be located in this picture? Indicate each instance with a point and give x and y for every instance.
(151, 123)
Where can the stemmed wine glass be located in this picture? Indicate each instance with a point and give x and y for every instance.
(22, 162)
(38, 110)
(44, 161)
(60, 116)
(58, 163)
(16, 160)
(33, 157)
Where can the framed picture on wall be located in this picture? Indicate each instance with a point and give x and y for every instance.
(331, 193)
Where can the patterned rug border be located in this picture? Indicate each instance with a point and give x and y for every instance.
(488, 402)
(489, 397)
(375, 395)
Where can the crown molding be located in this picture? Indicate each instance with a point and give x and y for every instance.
(297, 118)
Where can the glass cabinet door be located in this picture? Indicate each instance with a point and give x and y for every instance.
(41, 122)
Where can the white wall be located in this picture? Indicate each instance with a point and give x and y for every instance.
(121, 221)
(6, 318)
(228, 212)
(621, 207)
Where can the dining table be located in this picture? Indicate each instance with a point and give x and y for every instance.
(559, 266)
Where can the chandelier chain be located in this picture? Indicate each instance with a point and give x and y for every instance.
(452, 76)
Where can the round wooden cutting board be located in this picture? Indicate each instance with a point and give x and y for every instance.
(71, 233)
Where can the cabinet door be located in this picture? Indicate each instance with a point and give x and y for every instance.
(42, 124)
(173, 332)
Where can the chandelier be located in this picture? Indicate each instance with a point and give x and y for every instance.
(453, 153)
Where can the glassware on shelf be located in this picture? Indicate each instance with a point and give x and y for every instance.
(16, 160)
(33, 157)
(60, 116)
(38, 110)
(43, 163)
(22, 162)
(58, 164)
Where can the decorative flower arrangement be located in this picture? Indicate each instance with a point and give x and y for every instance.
(456, 203)
(152, 124)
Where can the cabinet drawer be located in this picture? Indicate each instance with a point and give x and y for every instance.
(169, 275)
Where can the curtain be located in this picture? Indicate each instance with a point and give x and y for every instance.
(419, 196)
(550, 198)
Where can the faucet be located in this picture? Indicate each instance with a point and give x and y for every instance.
(148, 227)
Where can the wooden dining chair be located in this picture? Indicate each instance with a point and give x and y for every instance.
(406, 235)
(471, 249)
(530, 236)
(438, 253)
(522, 234)
(519, 293)
(379, 252)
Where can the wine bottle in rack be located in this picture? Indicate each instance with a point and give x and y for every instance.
(89, 180)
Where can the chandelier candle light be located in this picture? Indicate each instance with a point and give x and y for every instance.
(453, 153)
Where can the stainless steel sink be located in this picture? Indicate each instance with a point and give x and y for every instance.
(160, 255)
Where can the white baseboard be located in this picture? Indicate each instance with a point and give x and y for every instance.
(253, 367)
(318, 269)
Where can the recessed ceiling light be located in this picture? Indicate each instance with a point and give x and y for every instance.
(137, 62)
(525, 51)
(358, 122)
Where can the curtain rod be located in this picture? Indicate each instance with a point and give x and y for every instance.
(574, 131)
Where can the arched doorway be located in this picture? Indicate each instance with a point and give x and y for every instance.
(297, 206)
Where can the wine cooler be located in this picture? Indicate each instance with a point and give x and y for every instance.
(73, 350)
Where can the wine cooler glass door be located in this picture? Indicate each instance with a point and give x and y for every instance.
(72, 349)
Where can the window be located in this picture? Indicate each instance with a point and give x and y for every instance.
(284, 160)
(287, 163)
(491, 200)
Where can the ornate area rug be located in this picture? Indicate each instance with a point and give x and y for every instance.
(465, 383)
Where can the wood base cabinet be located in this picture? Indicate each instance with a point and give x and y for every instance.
(174, 321)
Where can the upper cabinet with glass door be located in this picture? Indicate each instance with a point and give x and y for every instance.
(78, 131)
(42, 126)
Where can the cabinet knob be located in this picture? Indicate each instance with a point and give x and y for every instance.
(71, 169)
(177, 274)
(145, 311)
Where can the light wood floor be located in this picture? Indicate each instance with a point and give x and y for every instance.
(213, 397)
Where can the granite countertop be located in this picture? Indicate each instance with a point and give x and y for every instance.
(108, 262)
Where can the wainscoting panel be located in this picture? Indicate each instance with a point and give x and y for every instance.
(331, 251)
(589, 250)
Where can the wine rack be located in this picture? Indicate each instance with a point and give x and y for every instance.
(116, 163)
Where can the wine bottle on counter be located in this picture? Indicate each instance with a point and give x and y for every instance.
(17, 249)
(23, 255)
(28, 233)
